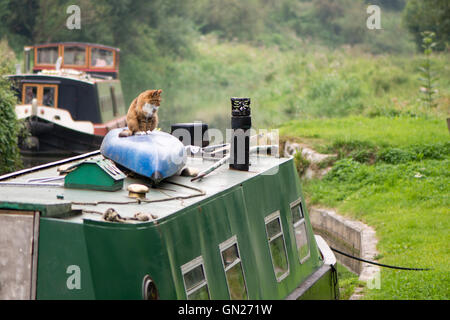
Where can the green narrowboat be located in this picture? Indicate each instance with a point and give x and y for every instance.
(231, 235)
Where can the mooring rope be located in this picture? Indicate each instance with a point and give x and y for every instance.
(379, 264)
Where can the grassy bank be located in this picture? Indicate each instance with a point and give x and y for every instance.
(348, 281)
(401, 189)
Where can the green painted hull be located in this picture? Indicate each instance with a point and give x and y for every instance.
(112, 259)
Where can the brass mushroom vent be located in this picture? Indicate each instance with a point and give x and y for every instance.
(137, 191)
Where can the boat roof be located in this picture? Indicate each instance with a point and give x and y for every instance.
(76, 205)
(82, 77)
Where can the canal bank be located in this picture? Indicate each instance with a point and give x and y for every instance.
(352, 237)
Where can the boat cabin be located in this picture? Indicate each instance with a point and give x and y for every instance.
(90, 58)
(99, 101)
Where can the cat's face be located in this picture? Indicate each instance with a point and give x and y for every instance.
(148, 103)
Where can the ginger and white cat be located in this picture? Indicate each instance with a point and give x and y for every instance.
(142, 116)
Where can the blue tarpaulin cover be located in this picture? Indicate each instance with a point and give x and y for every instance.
(157, 155)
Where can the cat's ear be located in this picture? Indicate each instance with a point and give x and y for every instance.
(156, 93)
(147, 94)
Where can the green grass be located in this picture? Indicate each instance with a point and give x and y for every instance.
(348, 281)
(407, 202)
(379, 131)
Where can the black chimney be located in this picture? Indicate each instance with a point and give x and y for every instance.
(241, 122)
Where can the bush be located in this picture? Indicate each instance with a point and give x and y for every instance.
(429, 15)
(301, 163)
(415, 153)
(333, 96)
(347, 170)
(9, 126)
(359, 151)
(395, 155)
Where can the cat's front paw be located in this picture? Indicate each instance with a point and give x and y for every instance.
(149, 131)
(125, 133)
(140, 133)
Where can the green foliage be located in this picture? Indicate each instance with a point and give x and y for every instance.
(415, 153)
(233, 19)
(388, 4)
(327, 162)
(360, 151)
(348, 281)
(334, 96)
(428, 15)
(403, 195)
(301, 163)
(392, 38)
(9, 126)
(357, 132)
(189, 49)
(151, 34)
(411, 222)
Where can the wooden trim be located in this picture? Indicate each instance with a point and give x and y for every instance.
(86, 62)
(24, 91)
(88, 49)
(55, 97)
(45, 46)
(113, 67)
(22, 212)
(40, 92)
(60, 50)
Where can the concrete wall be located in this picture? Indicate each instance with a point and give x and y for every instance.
(353, 237)
(340, 234)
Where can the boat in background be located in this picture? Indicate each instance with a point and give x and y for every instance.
(70, 99)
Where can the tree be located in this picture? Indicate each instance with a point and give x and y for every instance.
(429, 15)
(9, 126)
(428, 77)
(388, 4)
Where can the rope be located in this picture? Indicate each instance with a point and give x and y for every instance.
(379, 264)
(112, 216)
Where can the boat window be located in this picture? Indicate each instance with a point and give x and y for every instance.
(48, 98)
(274, 231)
(47, 55)
(46, 94)
(195, 282)
(301, 236)
(75, 56)
(102, 58)
(30, 92)
(233, 269)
